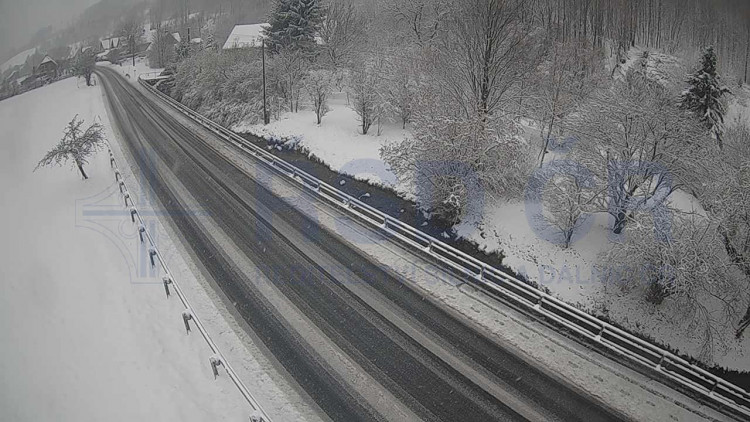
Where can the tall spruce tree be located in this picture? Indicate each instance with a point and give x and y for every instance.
(294, 24)
(703, 97)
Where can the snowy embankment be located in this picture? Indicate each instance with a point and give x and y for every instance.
(507, 226)
(85, 330)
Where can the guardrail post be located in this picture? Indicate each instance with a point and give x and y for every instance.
(539, 302)
(167, 281)
(713, 387)
(133, 212)
(256, 417)
(215, 363)
(126, 196)
(661, 362)
(142, 232)
(601, 332)
(151, 254)
(117, 175)
(480, 276)
(122, 186)
(429, 247)
(186, 317)
(111, 160)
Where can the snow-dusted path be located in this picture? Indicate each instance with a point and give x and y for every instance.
(85, 335)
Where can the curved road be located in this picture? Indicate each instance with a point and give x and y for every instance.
(436, 366)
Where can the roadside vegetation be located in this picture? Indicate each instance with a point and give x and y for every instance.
(577, 108)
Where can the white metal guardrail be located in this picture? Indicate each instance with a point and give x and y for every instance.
(496, 282)
(217, 359)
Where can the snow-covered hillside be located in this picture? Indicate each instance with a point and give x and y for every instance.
(17, 60)
(85, 330)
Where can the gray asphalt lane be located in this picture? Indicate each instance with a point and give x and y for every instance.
(429, 386)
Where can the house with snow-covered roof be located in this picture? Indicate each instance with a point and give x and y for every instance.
(245, 36)
(48, 68)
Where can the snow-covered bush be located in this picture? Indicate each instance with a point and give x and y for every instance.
(455, 161)
(225, 87)
(686, 273)
(725, 193)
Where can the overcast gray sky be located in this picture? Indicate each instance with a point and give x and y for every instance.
(20, 19)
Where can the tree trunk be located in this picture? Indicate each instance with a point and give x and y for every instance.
(744, 323)
(83, 173)
(620, 220)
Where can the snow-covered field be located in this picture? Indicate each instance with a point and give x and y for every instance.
(338, 140)
(85, 335)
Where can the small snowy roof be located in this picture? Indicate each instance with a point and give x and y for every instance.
(197, 40)
(177, 36)
(244, 36)
(108, 43)
(47, 59)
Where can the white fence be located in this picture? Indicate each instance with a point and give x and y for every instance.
(497, 283)
(257, 413)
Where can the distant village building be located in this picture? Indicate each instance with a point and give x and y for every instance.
(245, 36)
(109, 43)
(48, 68)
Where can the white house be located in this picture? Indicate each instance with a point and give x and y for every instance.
(245, 36)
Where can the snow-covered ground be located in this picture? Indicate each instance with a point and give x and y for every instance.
(506, 226)
(86, 332)
(338, 140)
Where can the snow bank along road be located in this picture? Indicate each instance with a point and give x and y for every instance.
(340, 325)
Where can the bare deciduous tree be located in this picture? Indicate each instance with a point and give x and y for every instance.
(342, 33)
(490, 49)
(637, 142)
(365, 84)
(318, 86)
(77, 145)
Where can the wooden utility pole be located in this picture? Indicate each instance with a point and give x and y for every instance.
(747, 51)
(265, 110)
(132, 47)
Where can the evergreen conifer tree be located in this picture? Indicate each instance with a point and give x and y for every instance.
(703, 97)
(294, 24)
